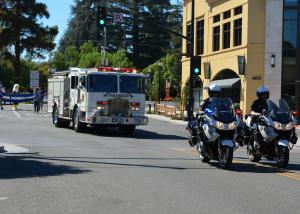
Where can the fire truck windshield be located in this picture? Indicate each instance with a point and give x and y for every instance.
(132, 84)
(102, 83)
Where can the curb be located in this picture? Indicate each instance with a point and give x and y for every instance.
(166, 119)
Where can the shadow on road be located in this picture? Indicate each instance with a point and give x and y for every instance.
(262, 167)
(139, 134)
(122, 163)
(25, 167)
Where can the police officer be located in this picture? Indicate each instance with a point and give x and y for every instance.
(213, 91)
(260, 103)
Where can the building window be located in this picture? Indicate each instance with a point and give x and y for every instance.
(226, 35)
(238, 32)
(216, 18)
(188, 44)
(238, 10)
(200, 37)
(216, 38)
(227, 14)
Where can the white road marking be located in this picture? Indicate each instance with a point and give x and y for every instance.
(17, 114)
(3, 198)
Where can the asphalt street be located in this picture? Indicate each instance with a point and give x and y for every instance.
(57, 171)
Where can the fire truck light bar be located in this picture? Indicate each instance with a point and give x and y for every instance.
(111, 69)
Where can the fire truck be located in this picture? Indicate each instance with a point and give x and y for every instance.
(99, 97)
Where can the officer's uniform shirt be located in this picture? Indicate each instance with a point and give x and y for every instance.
(258, 106)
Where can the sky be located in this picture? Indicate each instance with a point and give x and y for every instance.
(59, 15)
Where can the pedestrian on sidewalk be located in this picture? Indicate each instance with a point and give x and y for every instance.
(15, 91)
(36, 101)
(42, 95)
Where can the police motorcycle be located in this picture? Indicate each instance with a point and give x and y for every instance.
(214, 132)
(272, 134)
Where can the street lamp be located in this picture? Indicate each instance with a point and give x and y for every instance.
(159, 64)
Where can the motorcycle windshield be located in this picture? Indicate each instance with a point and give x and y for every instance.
(280, 112)
(223, 108)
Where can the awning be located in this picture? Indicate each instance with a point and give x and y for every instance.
(225, 83)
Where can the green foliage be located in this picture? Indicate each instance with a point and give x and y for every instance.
(120, 59)
(88, 57)
(143, 42)
(68, 58)
(22, 32)
(6, 73)
(170, 69)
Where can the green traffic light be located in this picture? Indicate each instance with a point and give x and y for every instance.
(196, 70)
(102, 22)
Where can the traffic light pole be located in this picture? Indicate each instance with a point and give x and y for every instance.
(190, 109)
(105, 41)
(105, 44)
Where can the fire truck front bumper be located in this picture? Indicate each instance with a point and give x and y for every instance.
(118, 120)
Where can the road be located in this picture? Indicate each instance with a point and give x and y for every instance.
(63, 172)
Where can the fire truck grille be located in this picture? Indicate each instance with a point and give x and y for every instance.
(118, 107)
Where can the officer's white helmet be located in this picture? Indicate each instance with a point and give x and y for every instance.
(214, 88)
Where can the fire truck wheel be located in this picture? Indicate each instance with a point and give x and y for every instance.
(127, 129)
(78, 126)
(56, 120)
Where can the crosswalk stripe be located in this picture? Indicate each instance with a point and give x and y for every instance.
(17, 114)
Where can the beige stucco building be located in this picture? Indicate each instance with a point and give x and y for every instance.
(228, 30)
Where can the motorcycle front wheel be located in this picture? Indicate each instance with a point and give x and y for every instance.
(282, 157)
(203, 157)
(252, 157)
(225, 157)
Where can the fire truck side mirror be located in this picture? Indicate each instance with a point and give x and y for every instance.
(82, 81)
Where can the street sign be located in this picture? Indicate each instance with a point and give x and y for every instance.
(241, 65)
(118, 17)
(34, 79)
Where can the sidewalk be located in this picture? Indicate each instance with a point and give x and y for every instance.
(166, 119)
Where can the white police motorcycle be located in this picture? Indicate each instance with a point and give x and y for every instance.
(272, 134)
(217, 132)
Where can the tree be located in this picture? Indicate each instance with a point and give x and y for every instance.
(144, 42)
(64, 59)
(170, 70)
(22, 31)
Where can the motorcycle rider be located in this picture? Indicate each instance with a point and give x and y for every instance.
(257, 108)
(260, 103)
(213, 91)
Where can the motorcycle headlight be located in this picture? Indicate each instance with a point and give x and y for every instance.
(232, 125)
(289, 126)
(224, 126)
(280, 126)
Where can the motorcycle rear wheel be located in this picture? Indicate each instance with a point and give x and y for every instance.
(282, 157)
(225, 157)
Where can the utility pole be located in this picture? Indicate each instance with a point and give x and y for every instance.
(101, 22)
(297, 83)
(191, 94)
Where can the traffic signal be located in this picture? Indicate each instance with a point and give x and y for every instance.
(101, 16)
(196, 65)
